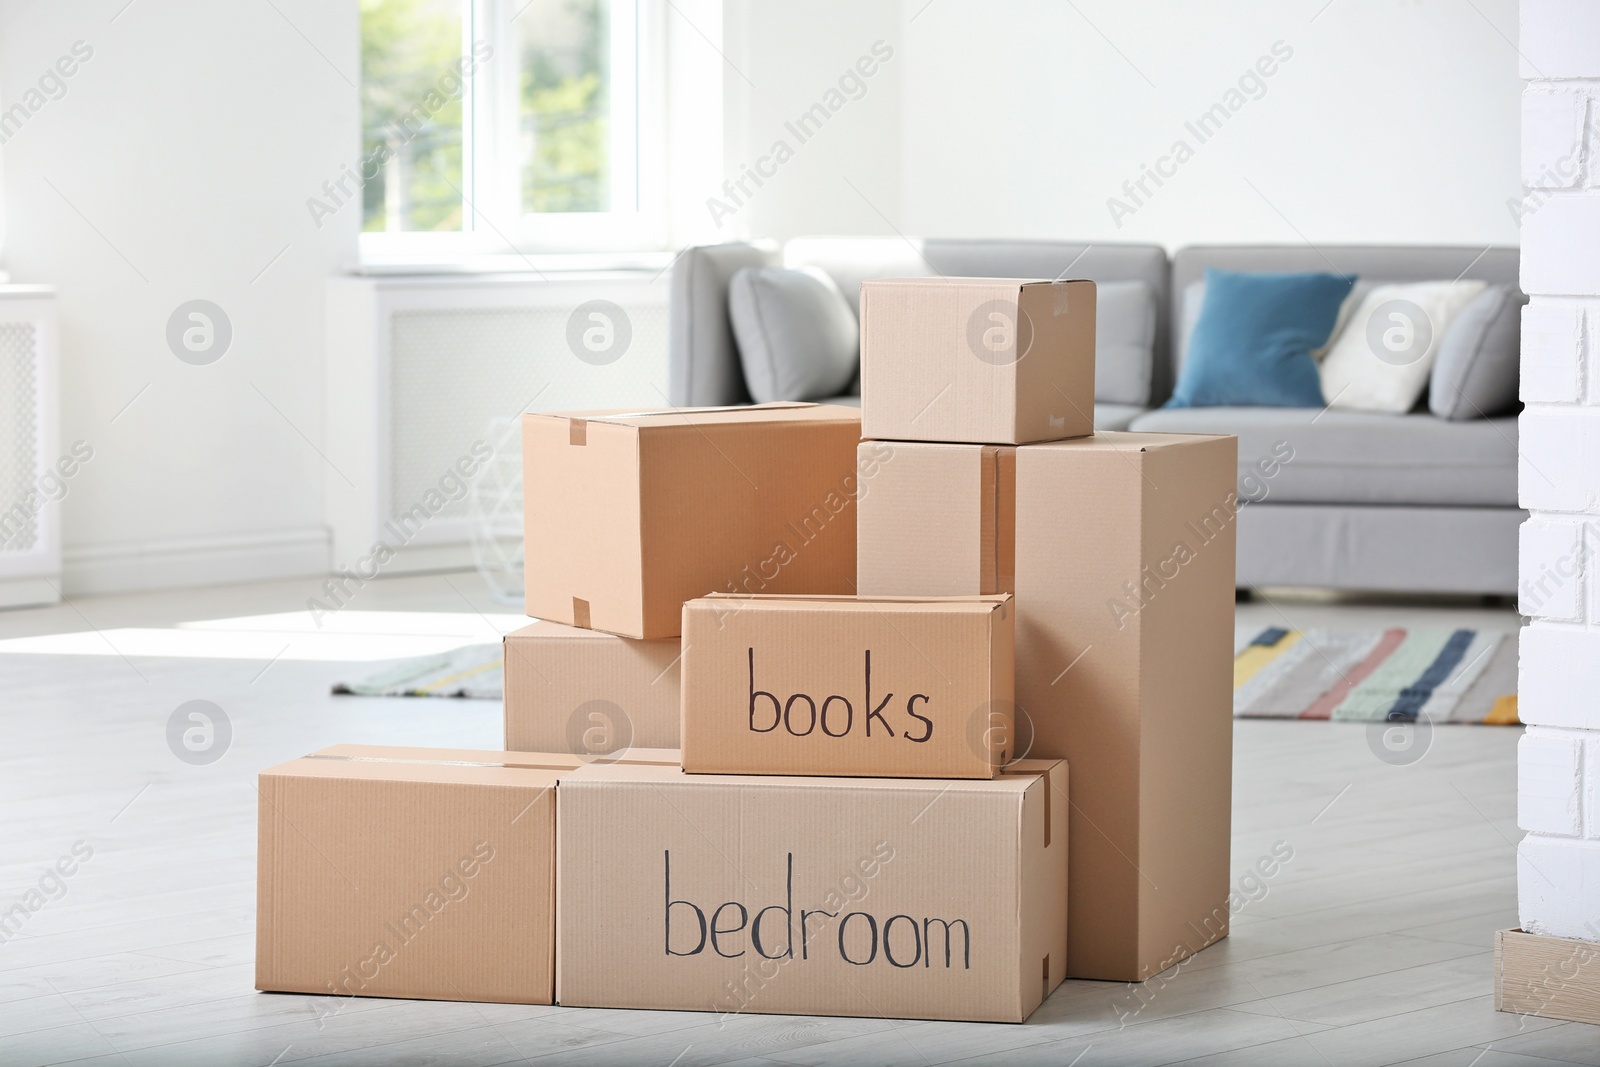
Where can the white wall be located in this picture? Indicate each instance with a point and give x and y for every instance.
(782, 60)
(1390, 122)
(181, 156)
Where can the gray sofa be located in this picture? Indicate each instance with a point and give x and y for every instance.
(1404, 503)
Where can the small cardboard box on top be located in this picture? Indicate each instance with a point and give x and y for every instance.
(589, 692)
(629, 514)
(916, 899)
(424, 873)
(889, 687)
(936, 519)
(977, 360)
(1125, 595)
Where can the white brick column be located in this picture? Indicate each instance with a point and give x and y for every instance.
(1558, 761)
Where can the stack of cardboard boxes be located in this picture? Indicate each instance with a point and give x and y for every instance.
(792, 733)
(1119, 549)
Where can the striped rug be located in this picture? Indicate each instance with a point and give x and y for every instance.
(472, 671)
(1366, 675)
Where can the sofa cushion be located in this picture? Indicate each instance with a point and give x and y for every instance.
(798, 338)
(1252, 344)
(1310, 455)
(1475, 373)
(1124, 342)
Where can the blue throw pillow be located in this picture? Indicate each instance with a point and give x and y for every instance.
(1252, 344)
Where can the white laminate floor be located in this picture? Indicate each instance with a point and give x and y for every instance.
(1372, 945)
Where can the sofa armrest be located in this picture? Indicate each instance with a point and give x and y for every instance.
(702, 357)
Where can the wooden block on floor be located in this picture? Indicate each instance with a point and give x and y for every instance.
(1551, 977)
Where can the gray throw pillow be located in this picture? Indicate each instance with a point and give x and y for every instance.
(798, 338)
(1124, 342)
(1475, 372)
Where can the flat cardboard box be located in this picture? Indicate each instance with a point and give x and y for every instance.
(920, 899)
(629, 514)
(1125, 592)
(936, 519)
(977, 360)
(885, 687)
(589, 692)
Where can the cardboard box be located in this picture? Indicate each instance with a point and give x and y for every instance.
(589, 692)
(886, 687)
(630, 514)
(1125, 591)
(936, 519)
(408, 872)
(977, 360)
(424, 873)
(923, 899)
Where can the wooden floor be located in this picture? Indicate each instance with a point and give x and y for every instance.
(1370, 946)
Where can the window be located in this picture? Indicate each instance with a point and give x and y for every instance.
(507, 126)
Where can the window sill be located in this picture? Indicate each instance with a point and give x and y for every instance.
(565, 263)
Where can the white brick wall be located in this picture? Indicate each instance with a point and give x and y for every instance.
(1591, 788)
(1552, 354)
(1550, 782)
(1558, 882)
(1552, 139)
(1550, 578)
(1558, 759)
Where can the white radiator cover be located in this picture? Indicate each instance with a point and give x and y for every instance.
(30, 508)
(419, 367)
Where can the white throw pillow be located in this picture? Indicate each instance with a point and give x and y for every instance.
(1124, 342)
(1383, 357)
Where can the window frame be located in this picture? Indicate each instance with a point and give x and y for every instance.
(492, 223)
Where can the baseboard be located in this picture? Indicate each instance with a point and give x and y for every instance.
(30, 592)
(1551, 977)
(420, 559)
(137, 566)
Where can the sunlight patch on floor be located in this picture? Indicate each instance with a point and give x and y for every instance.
(345, 636)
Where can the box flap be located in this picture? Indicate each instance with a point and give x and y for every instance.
(1124, 441)
(543, 629)
(447, 757)
(663, 775)
(1010, 285)
(985, 602)
(798, 410)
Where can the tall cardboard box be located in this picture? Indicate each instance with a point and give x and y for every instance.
(936, 519)
(977, 360)
(886, 687)
(921, 899)
(629, 514)
(408, 872)
(1125, 592)
(589, 692)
